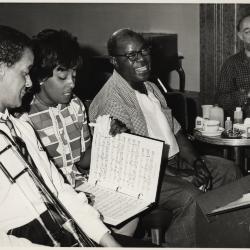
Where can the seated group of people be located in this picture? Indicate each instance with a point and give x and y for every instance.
(55, 135)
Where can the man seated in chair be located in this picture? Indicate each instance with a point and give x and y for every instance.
(129, 97)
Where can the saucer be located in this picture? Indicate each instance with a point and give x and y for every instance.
(244, 135)
(215, 133)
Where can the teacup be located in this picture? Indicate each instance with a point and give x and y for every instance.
(211, 126)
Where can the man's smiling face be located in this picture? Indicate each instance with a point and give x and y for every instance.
(133, 62)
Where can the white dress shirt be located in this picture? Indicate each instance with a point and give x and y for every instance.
(157, 124)
(21, 202)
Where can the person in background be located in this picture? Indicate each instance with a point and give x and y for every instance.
(233, 85)
(129, 97)
(23, 211)
(57, 115)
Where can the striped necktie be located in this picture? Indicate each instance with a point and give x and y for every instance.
(20, 145)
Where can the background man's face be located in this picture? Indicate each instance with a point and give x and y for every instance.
(244, 33)
(14, 81)
(136, 71)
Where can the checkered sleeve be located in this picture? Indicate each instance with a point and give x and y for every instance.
(227, 93)
(116, 110)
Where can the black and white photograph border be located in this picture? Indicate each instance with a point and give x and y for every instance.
(200, 36)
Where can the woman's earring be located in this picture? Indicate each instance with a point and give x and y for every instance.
(41, 83)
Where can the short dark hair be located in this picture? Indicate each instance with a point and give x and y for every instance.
(12, 45)
(240, 22)
(53, 48)
(117, 36)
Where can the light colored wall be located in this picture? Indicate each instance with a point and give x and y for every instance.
(94, 22)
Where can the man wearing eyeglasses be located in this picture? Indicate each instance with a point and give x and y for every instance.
(129, 97)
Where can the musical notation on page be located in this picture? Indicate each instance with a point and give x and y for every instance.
(115, 207)
(124, 174)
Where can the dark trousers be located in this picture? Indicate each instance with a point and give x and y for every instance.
(228, 229)
(34, 232)
(179, 196)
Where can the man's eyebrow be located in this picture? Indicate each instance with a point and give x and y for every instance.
(142, 47)
(247, 28)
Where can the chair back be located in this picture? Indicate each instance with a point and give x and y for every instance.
(183, 108)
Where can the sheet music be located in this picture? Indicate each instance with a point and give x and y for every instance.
(124, 173)
(129, 162)
(114, 206)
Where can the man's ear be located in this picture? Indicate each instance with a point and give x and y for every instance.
(113, 61)
(240, 35)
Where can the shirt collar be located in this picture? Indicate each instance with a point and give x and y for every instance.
(244, 57)
(4, 115)
(122, 82)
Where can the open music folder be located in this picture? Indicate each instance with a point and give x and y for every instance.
(123, 175)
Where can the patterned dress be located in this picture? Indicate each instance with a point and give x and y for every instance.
(63, 131)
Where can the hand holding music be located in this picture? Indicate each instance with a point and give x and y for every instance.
(117, 127)
(108, 126)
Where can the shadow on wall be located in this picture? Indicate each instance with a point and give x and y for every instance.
(93, 73)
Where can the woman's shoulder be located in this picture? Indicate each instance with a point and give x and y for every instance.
(75, 100)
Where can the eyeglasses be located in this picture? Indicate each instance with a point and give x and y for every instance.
(134, 55)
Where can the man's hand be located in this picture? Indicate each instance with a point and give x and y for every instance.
(117, 127)
(202, 175)
(199, 175)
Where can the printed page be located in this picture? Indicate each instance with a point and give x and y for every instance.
(124, 172)
(115, 207)
(128, 163)
(242, 202)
